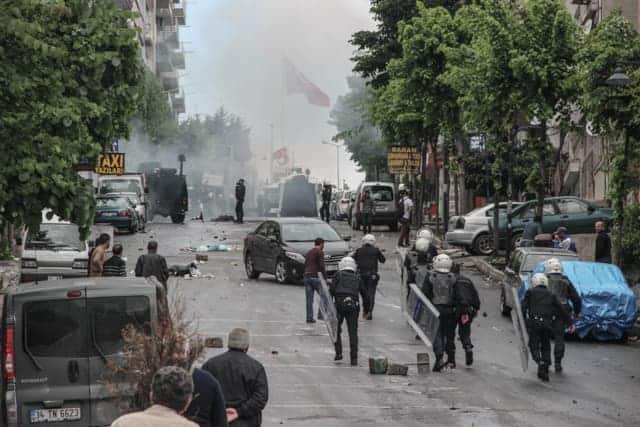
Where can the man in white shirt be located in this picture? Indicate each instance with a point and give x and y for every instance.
(406, 209)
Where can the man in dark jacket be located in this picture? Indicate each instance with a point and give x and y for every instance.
(367, 258)
(467, 307)
(313, 264)
(241, 191)
(540, 309)
(243, 380)
(208, 407)
(152, 264)
(325, 209)
(344, 288)
(603, 243)
(115, 266)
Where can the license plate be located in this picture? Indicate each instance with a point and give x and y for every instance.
(54, 415)
(382, 208)
(109, 214)
(54, 277)
(332, 267)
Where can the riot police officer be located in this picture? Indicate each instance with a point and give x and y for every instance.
(467, 307)
(426, 253)
(344, 288)
(418, 262)
(439, 286)
(541, 308)
(367, 258)
(561, 287)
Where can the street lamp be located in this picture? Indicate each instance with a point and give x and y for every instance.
(335, 144)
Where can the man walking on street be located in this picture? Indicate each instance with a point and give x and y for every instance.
(344, 288)
(603, 243)
(243, 380)
(152, 264)
(325, 209)
(97, 255)
(313, 264)
(241, 191)
(405, 207)
(368, 209)
(115, 266)
(367, 258)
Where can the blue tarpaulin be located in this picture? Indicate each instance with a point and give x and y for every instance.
(609, 306)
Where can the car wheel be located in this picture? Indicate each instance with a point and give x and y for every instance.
(483, 244)
(249, 267)
(515, 241)
(505, 310)
(282, 275)
(177, 218)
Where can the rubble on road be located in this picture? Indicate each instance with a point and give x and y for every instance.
(213, 342)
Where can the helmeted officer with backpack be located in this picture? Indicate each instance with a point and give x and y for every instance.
(367, 258)
(344, 287)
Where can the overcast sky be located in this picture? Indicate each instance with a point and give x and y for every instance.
(234, 58)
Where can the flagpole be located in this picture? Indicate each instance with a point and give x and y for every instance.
(271, 154)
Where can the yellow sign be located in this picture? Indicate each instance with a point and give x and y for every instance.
(110, 164)
(403, 160)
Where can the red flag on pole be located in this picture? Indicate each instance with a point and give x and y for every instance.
(299, 83)
(281, 157)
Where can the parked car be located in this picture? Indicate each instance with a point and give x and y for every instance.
(609, 306)
(577, 215)
(118, 211)
(278, 247)
(128, 183)
(54, 251)
(335, 202)
(58, 338)
(139, 205)
(471, 231)
(386, 211)
(342, 209)
(522, 262)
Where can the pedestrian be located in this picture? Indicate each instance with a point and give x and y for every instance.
(115, 266)
(467, 307)
(562, 288)
(367, 258)
(562, 240)
(325, 208)
(440, 286)
(241, 191)
(405, 208)
(171, 390)
(344, 289)
(368, 209)
(603, 243)
(313, 264)
(243, 380)
(97, 255)
(540, 307)
(153, 264)
(531, 230)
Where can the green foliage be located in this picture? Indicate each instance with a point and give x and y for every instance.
(5, 251)
(69, 77)
(627, 242)
(154, 111)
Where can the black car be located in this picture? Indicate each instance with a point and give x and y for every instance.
(278, 247)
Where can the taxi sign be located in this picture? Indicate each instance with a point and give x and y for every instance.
(110, 164)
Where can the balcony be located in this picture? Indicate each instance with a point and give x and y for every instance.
(166, 13)
(169, 81)
(164, 63)
(177, 59)
(168, 38)
(178, 104)
(179, 15)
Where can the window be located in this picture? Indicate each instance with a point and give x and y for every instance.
(273, 230)
(112, 202)
(109, 316)
(56, 328)
(530, 210)
(380, 193)
(56, 237)
(262, 230)
(308, 232)
(571, 206)
(516, 262)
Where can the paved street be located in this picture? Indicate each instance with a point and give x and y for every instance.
(599, 387)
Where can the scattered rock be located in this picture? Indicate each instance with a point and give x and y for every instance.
(140, 249)
(484, 314)
(454, 408)
(202, 257)
(275, 352)
(213, 342)
(574, 401)
(396, 369)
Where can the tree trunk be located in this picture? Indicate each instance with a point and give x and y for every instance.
(423, 183)
(447, 188)
(540, 191)
(436, 181)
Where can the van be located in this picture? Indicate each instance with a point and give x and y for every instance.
(57, 338)
(385, 197)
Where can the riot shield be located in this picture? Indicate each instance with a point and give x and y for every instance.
(423, 317)
(328, 309)
(521, 330)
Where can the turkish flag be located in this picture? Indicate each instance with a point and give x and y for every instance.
(281, 157)
(299, 83)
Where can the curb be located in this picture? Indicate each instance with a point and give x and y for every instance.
(489, 270)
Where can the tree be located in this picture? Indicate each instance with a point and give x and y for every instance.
(69, 79)
(155, 112)
(363, 140)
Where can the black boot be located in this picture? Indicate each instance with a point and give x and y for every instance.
(338, 357)
(468, 357)
(451, 361)
(558, 366)
(437, 367)
(543, 372)
(354, 360)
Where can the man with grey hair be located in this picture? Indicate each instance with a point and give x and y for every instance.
(243, 380)
(171, 390)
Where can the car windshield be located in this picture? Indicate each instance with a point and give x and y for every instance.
(532, 260)
(119, 186)
(308, 232)
(380, 193)
(56, 237)
(111, 202)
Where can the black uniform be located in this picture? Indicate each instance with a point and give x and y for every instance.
(541, 309)
(440, 288)
(344, 288)
(467, 302)
(241, 191)
(325, 209)
(563, 289)
(415, 258)
(603, 247)
(367, 258)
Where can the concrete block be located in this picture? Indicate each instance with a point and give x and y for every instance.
(424, 366)
(378, 365)
(202, 257)
(397, 369)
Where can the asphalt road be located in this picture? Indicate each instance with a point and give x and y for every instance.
(600, 385)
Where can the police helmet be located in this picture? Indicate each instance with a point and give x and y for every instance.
(422, 244)
(442, 263)
(539, 279)
(553, 266)
(369, 239)
(347, 263)
(426, 233)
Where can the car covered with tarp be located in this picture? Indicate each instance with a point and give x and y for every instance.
(609, 306)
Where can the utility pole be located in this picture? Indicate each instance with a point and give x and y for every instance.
(335, 144)
(271, 154)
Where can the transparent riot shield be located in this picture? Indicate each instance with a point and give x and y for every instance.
(521, 330)
(328, 309)
(422, 315)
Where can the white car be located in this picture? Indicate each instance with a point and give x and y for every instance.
(471, 231)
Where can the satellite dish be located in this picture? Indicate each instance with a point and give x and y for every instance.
(590, 130)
